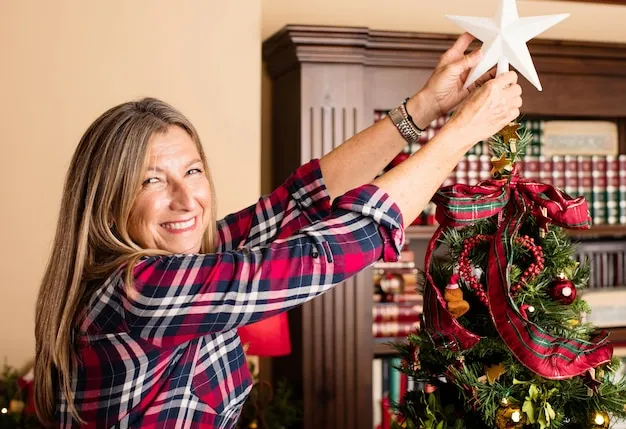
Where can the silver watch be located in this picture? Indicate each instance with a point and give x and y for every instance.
(401, 119)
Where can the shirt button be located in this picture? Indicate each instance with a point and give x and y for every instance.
(315, 254)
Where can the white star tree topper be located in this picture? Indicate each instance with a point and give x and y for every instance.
(504, 40)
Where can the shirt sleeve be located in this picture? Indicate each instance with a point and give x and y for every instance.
(177, 298)
(300, 201)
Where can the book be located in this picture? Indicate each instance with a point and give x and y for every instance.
(484, 172)
(397, 312)
(473, 169)
(571, 175)
(598, 174)
(545, 170)
(531, 167)
(579, 138)
(607, 308)
(377, 390)
(612, 190)
(394, 329)
(622, 189)
(585, 181)
(536, 128)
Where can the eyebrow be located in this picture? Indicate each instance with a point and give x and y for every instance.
(189, 164)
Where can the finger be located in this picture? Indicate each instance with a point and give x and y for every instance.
(471, 60)
(474, 86)
(514, 114)
(512, 91)
(463, 66)
(462, 43)
(487, 76)
(457, 50)
(481, 80)
(464, 75)
(507, 79)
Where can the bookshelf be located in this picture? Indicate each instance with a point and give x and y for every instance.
(424, 232)
(327, 82)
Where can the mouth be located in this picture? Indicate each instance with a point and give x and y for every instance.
(180, 226)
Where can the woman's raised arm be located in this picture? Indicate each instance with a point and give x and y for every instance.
(362, 157)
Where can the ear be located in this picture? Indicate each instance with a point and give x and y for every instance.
(111, 221)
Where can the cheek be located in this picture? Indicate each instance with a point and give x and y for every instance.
(144, 213)
(203, 196)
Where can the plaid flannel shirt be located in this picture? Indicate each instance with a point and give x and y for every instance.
(167, 354)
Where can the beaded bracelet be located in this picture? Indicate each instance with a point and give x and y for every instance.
(404, 123)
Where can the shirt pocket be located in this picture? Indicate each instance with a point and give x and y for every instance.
(222, 379)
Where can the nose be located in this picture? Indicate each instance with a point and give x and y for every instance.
(182, 198)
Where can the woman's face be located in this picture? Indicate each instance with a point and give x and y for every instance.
(172, 209)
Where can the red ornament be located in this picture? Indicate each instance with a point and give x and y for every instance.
(563, 291)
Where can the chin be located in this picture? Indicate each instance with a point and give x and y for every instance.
(188, 250)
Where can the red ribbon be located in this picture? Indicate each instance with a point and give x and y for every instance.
(512, 200)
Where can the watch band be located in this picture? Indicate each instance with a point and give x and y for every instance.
(400, 118)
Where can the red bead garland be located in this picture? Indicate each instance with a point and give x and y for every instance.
(535, 268)
(465, 266)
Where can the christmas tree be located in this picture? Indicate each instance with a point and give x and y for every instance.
(503, 341)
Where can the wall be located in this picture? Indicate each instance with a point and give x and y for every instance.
(64, 63)
(587, 21)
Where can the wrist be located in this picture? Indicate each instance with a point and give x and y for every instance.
(459, 137)
(423, 108)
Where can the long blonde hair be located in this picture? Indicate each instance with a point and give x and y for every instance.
(92, 238)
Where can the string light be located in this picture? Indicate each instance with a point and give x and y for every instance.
(516, 416)
(4, 411)
(598, 419)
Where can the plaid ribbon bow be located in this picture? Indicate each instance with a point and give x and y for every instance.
(512, 199)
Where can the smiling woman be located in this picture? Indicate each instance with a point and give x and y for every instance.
(172, 209)
(138, 311)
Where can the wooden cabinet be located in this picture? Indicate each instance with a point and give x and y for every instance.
(326, 84)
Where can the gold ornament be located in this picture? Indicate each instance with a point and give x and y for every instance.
(16, 406)
(509, 132)
(252, 425)
(509, 417)
(453, 295)
(502, 165)
(600, 420)
(494, 372)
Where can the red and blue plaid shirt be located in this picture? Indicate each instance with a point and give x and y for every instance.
(167, 354)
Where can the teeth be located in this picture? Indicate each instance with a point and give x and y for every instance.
(180, 225)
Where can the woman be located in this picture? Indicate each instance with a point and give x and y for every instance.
(139, 305)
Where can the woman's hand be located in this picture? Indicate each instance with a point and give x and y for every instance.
(444, 89)
(488, 109)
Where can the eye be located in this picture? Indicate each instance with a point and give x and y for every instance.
(150, 180)
(194, 171)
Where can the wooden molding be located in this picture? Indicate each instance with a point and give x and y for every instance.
(297, 44)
